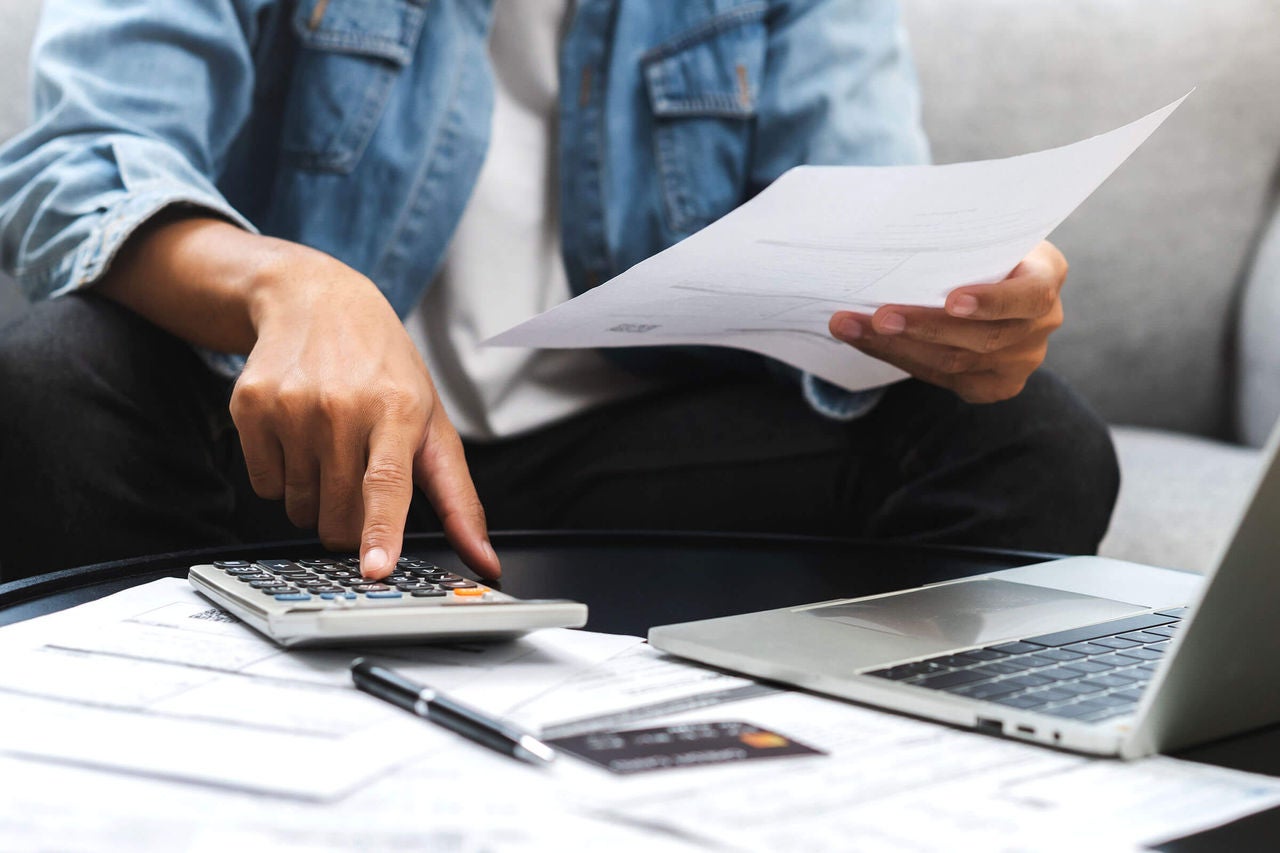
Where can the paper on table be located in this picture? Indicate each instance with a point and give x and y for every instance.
(155, 680)
(638, 683)
(768, 276)
(890, 783)
(476, 801)
(894, 783)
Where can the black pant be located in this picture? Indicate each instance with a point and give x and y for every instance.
(115, 441)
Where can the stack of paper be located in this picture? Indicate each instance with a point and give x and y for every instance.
(151, 720)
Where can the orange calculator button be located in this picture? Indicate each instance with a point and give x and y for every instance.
(475, 590)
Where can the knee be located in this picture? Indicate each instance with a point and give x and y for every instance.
(1069, 447)
(25, 379)
(59, 364)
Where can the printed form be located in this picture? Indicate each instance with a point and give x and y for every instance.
(768, 276)
(158, 681)
(151, 719)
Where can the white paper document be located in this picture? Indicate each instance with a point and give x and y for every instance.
(148, 720)
(158, 681)
(768, 276)
(891, 783)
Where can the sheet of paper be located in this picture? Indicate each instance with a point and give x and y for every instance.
(897, 784)
(638, 683)
(104, 675)
(768, 276)
(156, 680)
(475, 802)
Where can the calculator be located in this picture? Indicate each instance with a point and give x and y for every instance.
(325, 601)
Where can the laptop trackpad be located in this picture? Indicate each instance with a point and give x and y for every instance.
(976, 612)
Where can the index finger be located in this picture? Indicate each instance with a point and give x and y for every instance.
(441, 469)
(387, 489)
(1031, 290)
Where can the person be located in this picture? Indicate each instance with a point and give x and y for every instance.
(235, 210)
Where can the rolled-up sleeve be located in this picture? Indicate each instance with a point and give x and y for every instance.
(839, 89)
(136, 105)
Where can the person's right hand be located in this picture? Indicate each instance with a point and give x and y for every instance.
(338, 416)
(336, 411)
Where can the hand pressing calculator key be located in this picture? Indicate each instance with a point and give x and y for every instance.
(325, 601)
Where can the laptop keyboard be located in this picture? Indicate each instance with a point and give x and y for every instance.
(1093, 673)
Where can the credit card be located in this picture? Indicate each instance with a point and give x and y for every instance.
(689, 745)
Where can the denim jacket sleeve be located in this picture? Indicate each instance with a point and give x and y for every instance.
(120, 133)
(839, 88)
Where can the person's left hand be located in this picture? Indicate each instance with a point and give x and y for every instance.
(983, 344)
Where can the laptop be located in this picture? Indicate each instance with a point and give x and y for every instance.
(1087, 654)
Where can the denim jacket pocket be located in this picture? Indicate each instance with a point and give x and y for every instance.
(702, 88)
(350, 53)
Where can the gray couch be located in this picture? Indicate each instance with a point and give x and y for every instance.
(1171, 305)
(1163, 261)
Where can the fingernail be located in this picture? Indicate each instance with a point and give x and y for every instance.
(849, 329)
(891, 324)
(964, 305)
(375, 559)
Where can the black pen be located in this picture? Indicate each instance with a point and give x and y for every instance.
(438, 708)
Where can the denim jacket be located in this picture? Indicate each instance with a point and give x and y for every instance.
(358, 127)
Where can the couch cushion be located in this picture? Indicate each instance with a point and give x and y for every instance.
(1155, 252)
(19, 17)
(1259, 347)
(15, 46)
(1180, 498)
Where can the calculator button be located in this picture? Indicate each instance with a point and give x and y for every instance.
(246, 570)
(278, 589)
(272, 565)
(456, 585)
(232, 564)
(470, 591)
(429, 593)
(318, 561)
(293, 596)
(386, 593)
(371, 587)
(265, 583)
(260, 576)
(413, 587)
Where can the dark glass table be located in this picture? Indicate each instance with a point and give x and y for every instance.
(633, 580)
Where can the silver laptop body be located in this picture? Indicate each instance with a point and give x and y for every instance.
(1217, 674)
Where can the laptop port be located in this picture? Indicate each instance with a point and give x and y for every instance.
(990, 726)
(1026, 730)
